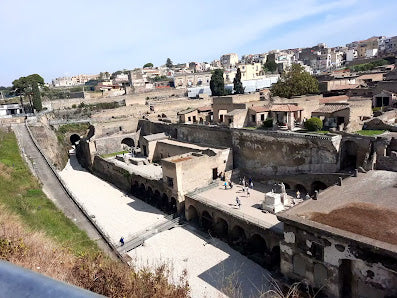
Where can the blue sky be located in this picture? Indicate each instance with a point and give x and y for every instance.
(61, 38)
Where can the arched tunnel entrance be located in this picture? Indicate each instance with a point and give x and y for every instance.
(129, 142)
(221, 228)
(206, 221)
(192, 215)
(348, 156)
(74, 138)
(318, 185)
(238, 238)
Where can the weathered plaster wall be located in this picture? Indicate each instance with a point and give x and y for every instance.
(304, 252)
(266, 153)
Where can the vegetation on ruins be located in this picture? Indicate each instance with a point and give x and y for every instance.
(370, 132)
(217, 84)
(314, 124)
(237, 85)
(268, 123)
(38, 236)
(270, 64)
(29, 87)
(169, 63)
(149, 64)
(369, 66)
(295, 82)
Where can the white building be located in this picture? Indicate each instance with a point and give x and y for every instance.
(351, 54)
(10, 109)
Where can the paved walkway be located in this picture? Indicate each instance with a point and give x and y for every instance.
(53, 188)
(250, 204)
(118, 214)
(212, 266)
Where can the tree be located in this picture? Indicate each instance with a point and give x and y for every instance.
(26, 86)
(237, 85)
(270, 65)
(169, 63)
(148, 65)
(295, 82)
(314, 124)
(217, 85)
(36, 97)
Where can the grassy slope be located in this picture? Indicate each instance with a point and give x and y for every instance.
(21, 193)
(36, 235)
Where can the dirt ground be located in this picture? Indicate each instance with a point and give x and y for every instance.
(363, 219)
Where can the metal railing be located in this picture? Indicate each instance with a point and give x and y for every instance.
(19, 282)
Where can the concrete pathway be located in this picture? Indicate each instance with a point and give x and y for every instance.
(53, 188)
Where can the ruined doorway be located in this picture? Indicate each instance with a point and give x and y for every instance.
(345, 278)
(214, 173)
(74, 138)
(206, 221)
(318, 185)
(348, 156)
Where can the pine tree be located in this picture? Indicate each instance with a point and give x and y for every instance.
(237, 85)
(217, 85)
(169, 63)
(36, 97)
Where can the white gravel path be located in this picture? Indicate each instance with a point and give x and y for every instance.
(117, 213)
(211, 264)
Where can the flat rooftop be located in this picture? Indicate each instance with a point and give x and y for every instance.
(149, 171)
(365, 205)
(225, 200)
(190, 145)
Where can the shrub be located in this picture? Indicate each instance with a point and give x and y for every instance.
(314, 124)
(74, 106)
(268, 123)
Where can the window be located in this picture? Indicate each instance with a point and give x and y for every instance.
(170, 182)
(189, 118)
(263, 117)
(317, 251)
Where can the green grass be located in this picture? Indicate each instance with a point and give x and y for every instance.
(321, 131)
(74, 127)
(113, 154)
(370, 132)
(21, 193)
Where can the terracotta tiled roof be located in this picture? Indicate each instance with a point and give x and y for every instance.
(334, 98)
(347, 86)
(329, 109)
(260, 109)
(285, 108)
(204, 109)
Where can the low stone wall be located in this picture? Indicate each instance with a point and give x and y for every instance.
(387, 163)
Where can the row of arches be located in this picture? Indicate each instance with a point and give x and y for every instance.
(316, 185)
(253, 246)
(159, 200)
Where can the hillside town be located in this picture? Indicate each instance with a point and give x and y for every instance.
(248, 174)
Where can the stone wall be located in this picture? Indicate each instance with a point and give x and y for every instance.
(387, 163)
(112, 144)
(318, 258)
(263, 153)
